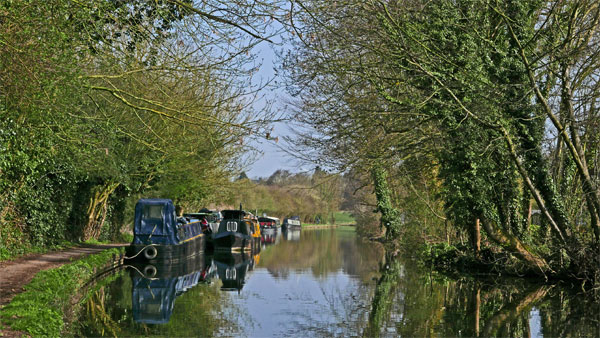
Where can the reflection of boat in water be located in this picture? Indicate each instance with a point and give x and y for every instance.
(238, 231)
(155, 287)
(232, 269)
(160, 236)
(270, 236)
(291, 234)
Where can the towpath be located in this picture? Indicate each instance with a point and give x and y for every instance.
(15, 274)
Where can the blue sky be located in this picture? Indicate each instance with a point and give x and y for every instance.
(272, 157)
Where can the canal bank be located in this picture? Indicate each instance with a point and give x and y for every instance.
(37, 291)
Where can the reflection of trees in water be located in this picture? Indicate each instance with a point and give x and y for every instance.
(361, 258)
(409, 302)
(384, 297)
(323, 252)
(342, 313)
(568, 314)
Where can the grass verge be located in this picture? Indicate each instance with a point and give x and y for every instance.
(344, 218)
(16, 252)
(328, 226)
(39, 310)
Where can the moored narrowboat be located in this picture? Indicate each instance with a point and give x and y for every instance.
(291, 223)
(160, 236)
(237, 231)
(267, 222)
(234, 233)
(210, 224)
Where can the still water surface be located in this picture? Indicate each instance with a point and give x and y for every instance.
(327, 283)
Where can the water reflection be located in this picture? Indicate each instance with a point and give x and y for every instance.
(410, 301)
(270, 236)
(155, 286)
(329, 283)
(291, 234)
(232, 269)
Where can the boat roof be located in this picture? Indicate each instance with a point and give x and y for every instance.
(229, 214)
(154, 201)
(194, 214)
(155, 221)
(268, 217)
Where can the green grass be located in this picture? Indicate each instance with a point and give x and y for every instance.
(15, 252)
(343, 217)
(315, 225)
(39, 310)
(94, 241)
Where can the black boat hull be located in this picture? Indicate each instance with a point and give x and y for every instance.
(164, 269)
(231, 241)
(168, 254)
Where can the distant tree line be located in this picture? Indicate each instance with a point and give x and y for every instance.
(311, 196)
(102, 101)
(462, 117)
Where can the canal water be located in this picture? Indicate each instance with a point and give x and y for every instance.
(327, 283)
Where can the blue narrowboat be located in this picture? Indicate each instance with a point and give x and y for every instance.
(160, 236)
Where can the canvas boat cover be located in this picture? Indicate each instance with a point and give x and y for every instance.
(155, 222)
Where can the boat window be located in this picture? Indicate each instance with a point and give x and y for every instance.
(232, 226)
(230, 273)
(153, 212)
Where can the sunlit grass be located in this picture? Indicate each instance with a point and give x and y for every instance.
(343, 217)
(39, 310)
(15, 252)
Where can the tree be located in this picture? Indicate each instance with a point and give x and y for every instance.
(464, 86)
(108, 99)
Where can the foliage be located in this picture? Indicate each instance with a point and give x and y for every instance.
(39, 310)
(102, 102)
(284, 194)
(482, 100)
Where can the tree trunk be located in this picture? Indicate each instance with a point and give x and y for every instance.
(537, 264)
(389, 215)
(97, 210)
(476, 310)
(591, 193)
(477, 237)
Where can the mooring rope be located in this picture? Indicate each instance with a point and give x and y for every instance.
(141, 273)
(139, 252)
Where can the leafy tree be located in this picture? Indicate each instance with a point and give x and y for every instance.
(463, 90)
(103, 101)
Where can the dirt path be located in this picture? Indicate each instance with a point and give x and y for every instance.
(15, 274)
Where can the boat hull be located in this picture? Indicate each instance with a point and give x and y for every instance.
(291, 227)
(231, 241)
(164, 269)
(166, 253)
